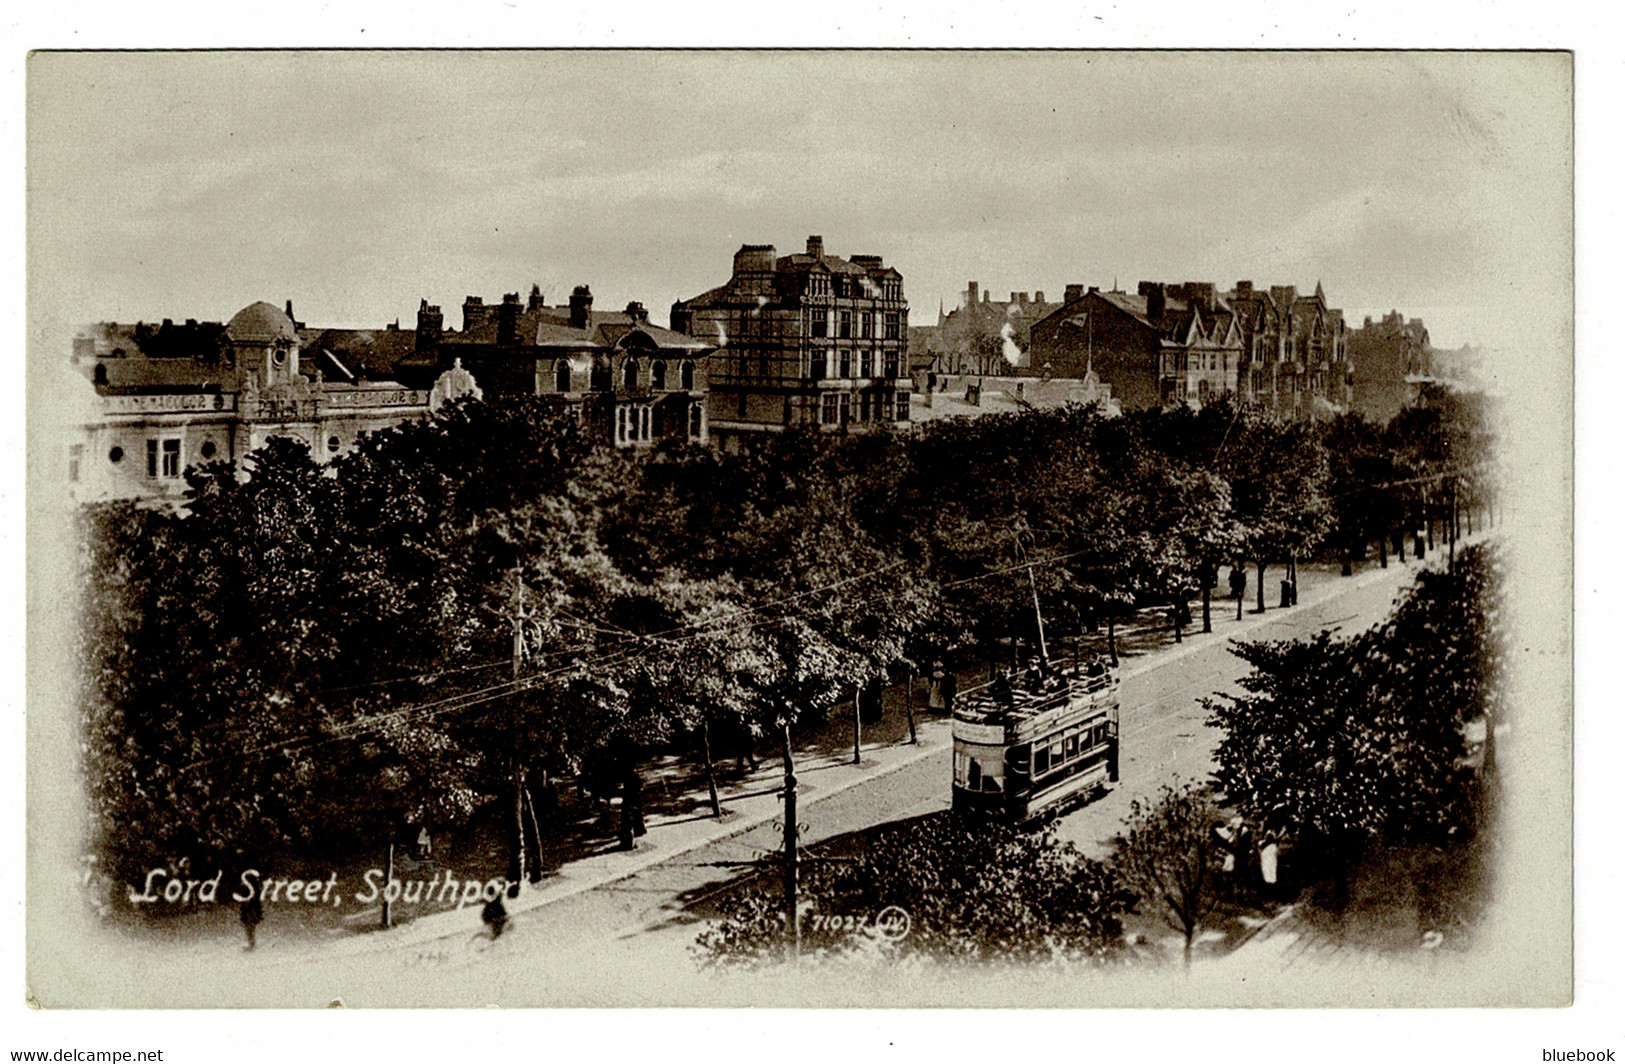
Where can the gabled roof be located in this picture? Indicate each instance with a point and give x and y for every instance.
(665, 339)
(371, 353)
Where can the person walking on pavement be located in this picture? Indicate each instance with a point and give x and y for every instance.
(251, 912)
(632, 826)
(1238, 586)
(495, 916)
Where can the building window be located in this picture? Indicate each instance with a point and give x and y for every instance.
(164, 458)
(695, 424)
(332, 445)
(863, 365)
(891, 363)
(818, 325)
(115, 455)
(657, 376)
(99, 375)
(894, 324)
(629, 374)
(279, 357)
(845, 332)
(902, 406)
(620, 425)
(830, 410)
(846, 363)
(866, 325)
(561, 375)
(76, 454)
(688, 376)
(645, 423)
(207, 450)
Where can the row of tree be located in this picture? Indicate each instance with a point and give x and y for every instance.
(311, 655)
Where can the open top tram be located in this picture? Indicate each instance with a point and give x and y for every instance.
(1028, 744)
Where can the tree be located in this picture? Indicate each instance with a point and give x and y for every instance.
(1339, 741)
(973, 894)
(1166, 854)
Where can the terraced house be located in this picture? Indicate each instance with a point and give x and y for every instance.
(1188, 343)
(804, 339)
(630, 382)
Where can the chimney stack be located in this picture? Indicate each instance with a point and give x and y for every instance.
(1244, 288)
(1156, 296)
(635, 311)
(536, 302)
(815, 246)
(1038, 296)
(972, 293)
(475, 313)
(1074, 291)
(430, 324)
(580, 307)
(508, 319)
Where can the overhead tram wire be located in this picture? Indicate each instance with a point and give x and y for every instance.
(469, 700)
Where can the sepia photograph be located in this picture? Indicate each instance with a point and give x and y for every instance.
(869, 528)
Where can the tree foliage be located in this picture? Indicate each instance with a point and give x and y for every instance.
(1340, 740)
(310, 655)
(973, 894)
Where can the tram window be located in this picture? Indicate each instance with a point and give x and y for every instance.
(1055, 755)
(992, 783)
(973, 776)
(1041, 761)
(1102, 733)
(1071, 746)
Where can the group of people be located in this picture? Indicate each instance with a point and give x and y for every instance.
(1253, 858)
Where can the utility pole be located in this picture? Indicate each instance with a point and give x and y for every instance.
(792, 922)
(908, 706)
(857, 724)
(389, 874)
(516, 860)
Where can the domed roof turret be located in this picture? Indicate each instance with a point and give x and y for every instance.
(261, 323)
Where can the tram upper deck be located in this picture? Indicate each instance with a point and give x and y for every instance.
(1015, 710)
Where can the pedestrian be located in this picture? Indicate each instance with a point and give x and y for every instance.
(1238, 585)
(950, 688)
(425, 844)
(251, 912)
(495, 916)
(631, 826)
(933, 688)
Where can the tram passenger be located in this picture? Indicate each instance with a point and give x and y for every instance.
(1033, 678)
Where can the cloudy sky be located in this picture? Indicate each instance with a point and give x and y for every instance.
(354, 183)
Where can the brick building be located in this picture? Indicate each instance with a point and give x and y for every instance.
(1161, 345)
(632, 382)
(981, 336)
(805, 339)
(1295, 357)
(1389, 356)
(1172, 343)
